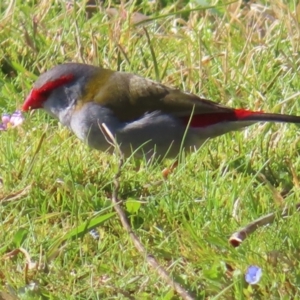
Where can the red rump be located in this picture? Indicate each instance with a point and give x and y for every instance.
(203, 120)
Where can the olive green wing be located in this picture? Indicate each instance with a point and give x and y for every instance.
(131, 96)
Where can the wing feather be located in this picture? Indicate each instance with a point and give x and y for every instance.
(131, 96)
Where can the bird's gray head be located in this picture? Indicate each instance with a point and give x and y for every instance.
(59, 87)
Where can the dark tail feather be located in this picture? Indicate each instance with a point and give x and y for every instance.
(267, 117)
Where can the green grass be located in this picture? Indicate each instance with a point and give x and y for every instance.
(55, 189)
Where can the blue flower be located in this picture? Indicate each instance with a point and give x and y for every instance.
(94, 233)
(253, 275)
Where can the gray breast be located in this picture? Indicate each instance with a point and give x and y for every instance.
(86, 125)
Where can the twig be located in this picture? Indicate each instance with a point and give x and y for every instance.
(126, 225)
(16, 196)
(239, 236)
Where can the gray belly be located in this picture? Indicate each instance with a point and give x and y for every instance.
(153, 133)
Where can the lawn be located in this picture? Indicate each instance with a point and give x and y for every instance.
(54, 189)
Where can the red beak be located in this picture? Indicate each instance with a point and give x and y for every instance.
(31, 102)
(27, 104)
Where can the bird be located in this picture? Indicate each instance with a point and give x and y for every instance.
(144, 117)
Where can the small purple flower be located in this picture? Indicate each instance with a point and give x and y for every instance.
(16, 118)
(5, 119)
(2, 127)
(253, 275)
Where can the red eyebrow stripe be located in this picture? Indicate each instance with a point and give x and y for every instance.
(51, 85)
(203, 120)
(37, 97)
